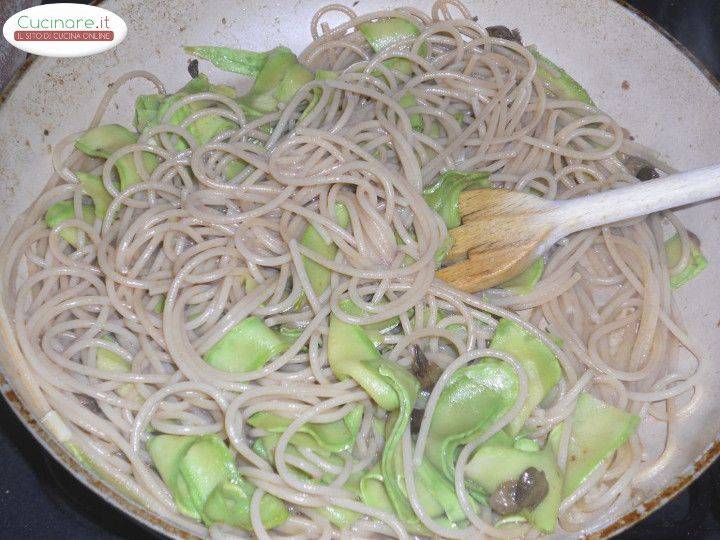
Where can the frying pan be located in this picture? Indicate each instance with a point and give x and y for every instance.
(631, 68)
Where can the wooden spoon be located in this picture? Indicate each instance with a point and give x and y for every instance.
(504, 231)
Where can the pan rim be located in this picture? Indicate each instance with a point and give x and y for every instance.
(150, 520)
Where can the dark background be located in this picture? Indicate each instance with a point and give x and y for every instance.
(39, 499)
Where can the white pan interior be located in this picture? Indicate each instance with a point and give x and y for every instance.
(632, 71)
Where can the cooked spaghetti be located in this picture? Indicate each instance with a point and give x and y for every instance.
(231, 313)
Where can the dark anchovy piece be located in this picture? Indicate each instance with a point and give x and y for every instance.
(513, 496)
(89, 403)
(639, 168)
(427, 372)
(646, 173)
(532, 487)
(193, 68)
(503, 32)
(415, 420)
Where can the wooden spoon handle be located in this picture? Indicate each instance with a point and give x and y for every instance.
(635, 200)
